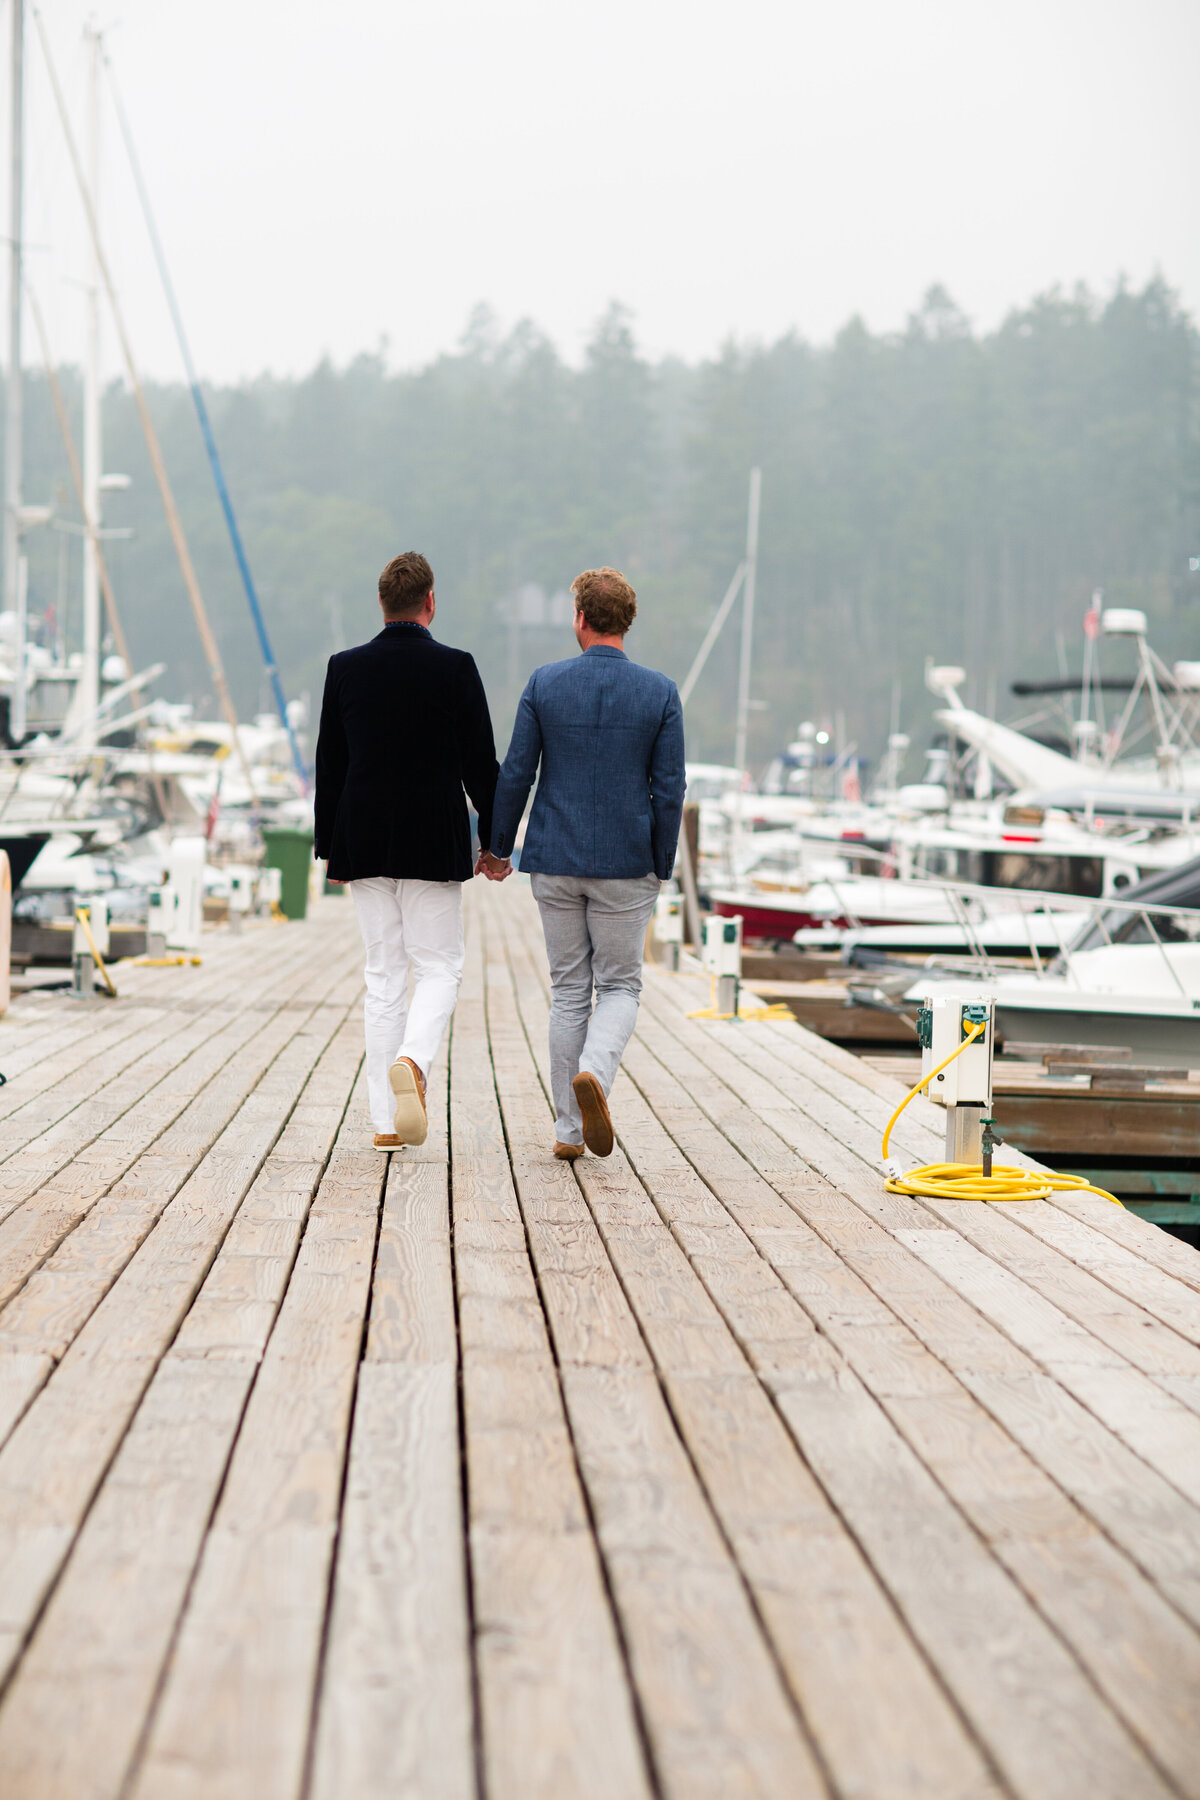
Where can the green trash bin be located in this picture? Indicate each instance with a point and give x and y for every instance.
(289, 849)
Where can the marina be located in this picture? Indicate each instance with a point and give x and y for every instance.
(709, 1469)
(825, 1424)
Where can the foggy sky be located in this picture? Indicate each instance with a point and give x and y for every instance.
(327, 177)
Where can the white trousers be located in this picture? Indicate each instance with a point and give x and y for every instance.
(406, 924)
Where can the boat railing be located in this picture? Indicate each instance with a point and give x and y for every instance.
(1092, 913)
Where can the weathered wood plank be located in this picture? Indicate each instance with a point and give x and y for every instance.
(861, 1261)
(234, 1714)
(1067, 1673)
(557, 1715)
(717, 1717)
(54, 1129)
(832, 1627)
(396, 1716)
(395, 1705)
(32, 1232)
(58, 1453)
(746, 1492)
(1166, 1354)
(1162, 1431)
(1153, 1422)
(1127, 1271)
(89, 1030)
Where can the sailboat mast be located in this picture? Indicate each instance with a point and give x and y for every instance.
(89, 696)
(751, 565)
(13, 449)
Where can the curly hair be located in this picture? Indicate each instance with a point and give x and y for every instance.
(606, 600)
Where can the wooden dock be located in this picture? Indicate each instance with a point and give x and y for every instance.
(707, 1471)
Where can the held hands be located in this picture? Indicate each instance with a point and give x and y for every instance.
(496, 868)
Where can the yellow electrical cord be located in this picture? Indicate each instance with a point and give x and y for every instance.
(967, 1181)
(975, 1031)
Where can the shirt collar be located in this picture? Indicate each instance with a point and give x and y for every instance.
(604, 650)
(407, 625)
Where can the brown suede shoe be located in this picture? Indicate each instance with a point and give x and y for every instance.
(597, 1122)
(387, 1140)
(568, 1152)
(408, 1085)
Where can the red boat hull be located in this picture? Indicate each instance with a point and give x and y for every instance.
(765, 920)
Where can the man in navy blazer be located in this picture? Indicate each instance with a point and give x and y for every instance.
(404, 730)
(601, 837)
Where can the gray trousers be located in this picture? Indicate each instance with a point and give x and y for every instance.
(595, 931)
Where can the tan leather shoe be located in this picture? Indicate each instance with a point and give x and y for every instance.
(408, 1086)
(387, 1140)
(597, 1121)
(568, 1152)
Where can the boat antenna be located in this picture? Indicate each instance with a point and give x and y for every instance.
(206, 430)
(174, 523)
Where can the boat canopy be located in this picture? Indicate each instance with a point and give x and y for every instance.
(1178, 887)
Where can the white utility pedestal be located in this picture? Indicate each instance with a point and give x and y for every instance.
(241, 877)
(160, 911)
(83, 961)
(722, 957)
(965, 1087)
(668, 928)
(185, 869)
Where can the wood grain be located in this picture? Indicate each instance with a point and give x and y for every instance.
(708, 1468)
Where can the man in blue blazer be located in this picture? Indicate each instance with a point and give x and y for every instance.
(601, 838)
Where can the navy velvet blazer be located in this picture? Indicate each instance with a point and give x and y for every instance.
(609, 736)
(404, 729)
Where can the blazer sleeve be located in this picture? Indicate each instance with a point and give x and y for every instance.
(479, 766)
(517, 772)
(667, 785)
(333, 758)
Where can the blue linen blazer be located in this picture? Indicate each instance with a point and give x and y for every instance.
(609, 736)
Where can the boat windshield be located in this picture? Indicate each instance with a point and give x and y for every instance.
(1049, 873)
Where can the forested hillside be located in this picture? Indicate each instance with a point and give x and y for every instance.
(933, 492)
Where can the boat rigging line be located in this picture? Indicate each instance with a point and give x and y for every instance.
(206, 430)
(174, 523)
(110, 600)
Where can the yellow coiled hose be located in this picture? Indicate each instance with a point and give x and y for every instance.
(967, 1181)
